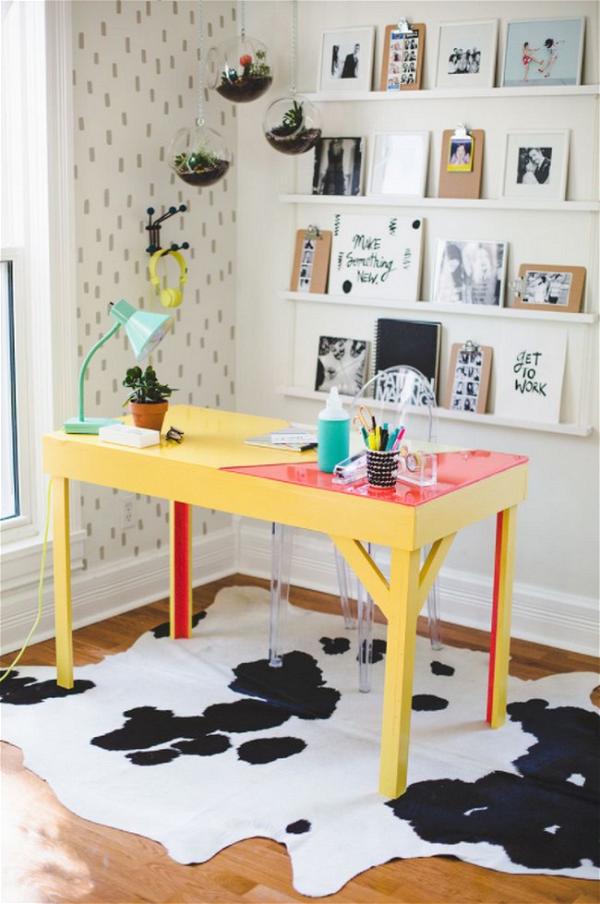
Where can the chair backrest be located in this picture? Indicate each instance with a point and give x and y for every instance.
(401, 395)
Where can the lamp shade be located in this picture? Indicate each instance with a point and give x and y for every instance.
(144, 329)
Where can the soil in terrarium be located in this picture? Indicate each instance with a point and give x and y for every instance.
(200, 168)
(254, 79)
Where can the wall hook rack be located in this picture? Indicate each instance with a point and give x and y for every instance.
(154, 227)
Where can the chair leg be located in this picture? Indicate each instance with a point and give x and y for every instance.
(282, 538)
(343, 585)
(365, 636)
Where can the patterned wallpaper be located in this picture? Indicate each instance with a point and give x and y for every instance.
(135, 83)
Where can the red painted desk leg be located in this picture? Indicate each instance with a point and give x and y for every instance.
(501, 612)
(180, 522)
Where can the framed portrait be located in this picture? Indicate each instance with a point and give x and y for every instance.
(311, 261)
(338, 166)
(342, 363)
(535, 165)
(549, 287)
(399, 164)
(543, 52)
(468, 377)
(402, 60)
(346, 62)
(467, 54)
(469, 272)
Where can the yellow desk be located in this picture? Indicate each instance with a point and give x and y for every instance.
(195, 474)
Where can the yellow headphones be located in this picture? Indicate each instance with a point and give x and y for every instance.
(169, 297)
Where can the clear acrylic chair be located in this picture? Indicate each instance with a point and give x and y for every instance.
(397, 396)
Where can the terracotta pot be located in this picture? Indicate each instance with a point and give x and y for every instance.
(148, 414)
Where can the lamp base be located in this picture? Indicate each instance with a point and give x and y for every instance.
(88, 424)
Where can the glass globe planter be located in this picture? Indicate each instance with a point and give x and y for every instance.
(199, 155)
(238, 69)
(292, 125)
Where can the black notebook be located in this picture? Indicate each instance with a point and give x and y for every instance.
(413, 343)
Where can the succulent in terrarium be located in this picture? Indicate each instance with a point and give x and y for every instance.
(291, 125)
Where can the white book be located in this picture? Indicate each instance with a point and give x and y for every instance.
(127, 435)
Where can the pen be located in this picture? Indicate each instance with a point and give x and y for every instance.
(392, 440)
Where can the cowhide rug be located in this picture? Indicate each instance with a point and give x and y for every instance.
(199, 744)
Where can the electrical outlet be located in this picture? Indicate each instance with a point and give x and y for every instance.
(128, 511)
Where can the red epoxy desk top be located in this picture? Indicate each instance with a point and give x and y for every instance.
(455, 471)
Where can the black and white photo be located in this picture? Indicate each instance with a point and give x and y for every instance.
(467, 54)
(346, 59)
(306, 265)
(338, 166)
(535, 165)
(541, 287)
(341, 363)
(470, 272)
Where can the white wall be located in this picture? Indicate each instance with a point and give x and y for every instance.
(558, 524)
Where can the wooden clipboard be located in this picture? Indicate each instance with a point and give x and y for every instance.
(461, 185)
(473, 381)
(419, 30)
(575, 299)
(315, 270)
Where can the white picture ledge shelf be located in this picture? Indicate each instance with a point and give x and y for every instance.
(401, 97)
(444, 203)
(490, 420)
(435, 307)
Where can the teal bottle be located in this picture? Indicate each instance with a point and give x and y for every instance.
(333, 433)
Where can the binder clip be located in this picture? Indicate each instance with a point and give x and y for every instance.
(175, 434)
(403, 26)
(312, 232)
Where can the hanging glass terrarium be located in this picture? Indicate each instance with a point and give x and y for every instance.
(239, 69)
(292, 124)
(198, 154)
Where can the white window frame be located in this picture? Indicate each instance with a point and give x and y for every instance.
(44, 284)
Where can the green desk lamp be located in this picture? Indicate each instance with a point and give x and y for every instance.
(144, 331)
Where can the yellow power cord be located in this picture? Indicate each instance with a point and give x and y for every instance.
(40, 589)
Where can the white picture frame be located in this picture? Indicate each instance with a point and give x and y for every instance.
(475, 65)
(398, 163)
(535, 164)
(342, 69)
(470, 271)
(546, 64)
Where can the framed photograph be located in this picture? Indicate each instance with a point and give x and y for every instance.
(376, 256)
(468, 377)
(535, 165)
(467, 54)
(311, 261)
(470, 272)
(399, 164)
(543, 52)
(402, 60)
(341, 363)
(346, 62)
(548, 287)
(338, 166)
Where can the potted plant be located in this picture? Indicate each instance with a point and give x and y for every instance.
(200, 166)
(249, 81)
(292, 136)
(148, 398)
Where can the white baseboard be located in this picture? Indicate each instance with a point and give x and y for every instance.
(539, 614)
(118, 587)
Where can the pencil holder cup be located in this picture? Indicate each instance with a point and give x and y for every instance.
(382, 468)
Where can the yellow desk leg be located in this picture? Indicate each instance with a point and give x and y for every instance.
(399, 666)
(500, 640)
(62, 582)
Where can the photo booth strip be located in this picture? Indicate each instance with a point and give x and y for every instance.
(469, 364)
(461, 184)
(319, 266)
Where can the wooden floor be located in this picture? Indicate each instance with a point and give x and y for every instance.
(51, 855)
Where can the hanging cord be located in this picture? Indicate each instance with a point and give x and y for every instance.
(9, 669)
(294, 50)
(201, 64)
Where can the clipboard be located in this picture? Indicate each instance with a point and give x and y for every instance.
(416, 31)
(310, 271)
(466, 184)
(468, 380)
